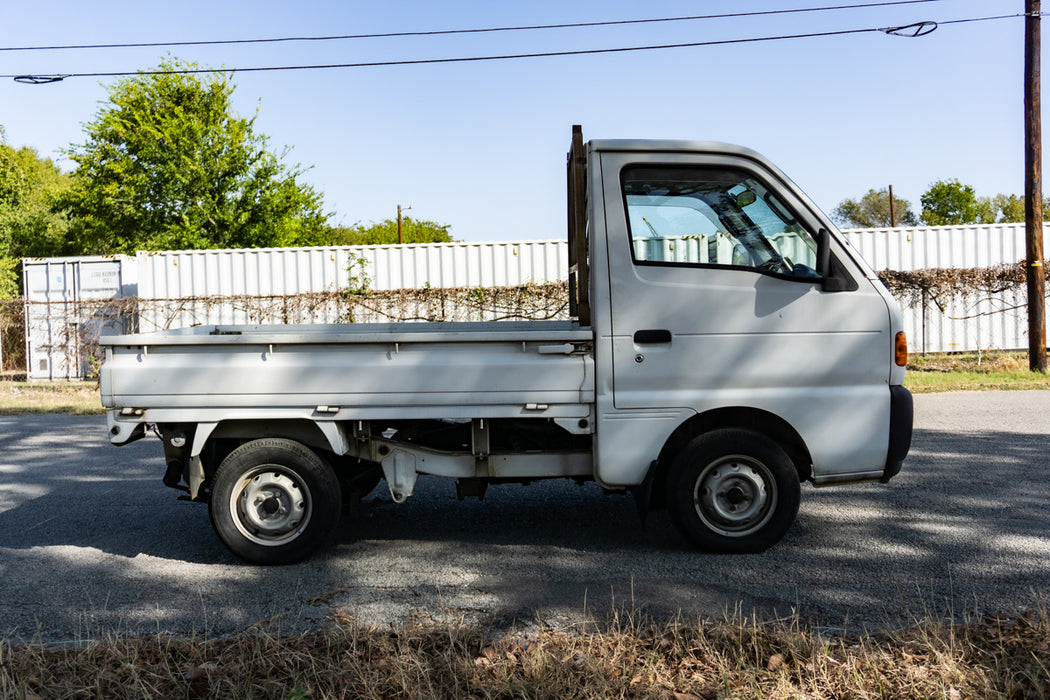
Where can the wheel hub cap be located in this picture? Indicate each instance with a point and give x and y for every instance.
(271, 506)
(735, 496)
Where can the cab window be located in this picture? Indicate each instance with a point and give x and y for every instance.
(714, 216)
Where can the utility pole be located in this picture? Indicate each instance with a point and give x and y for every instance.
(399, 239)
(1033, 191)
(893, 212)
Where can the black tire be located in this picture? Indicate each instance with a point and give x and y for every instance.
(733, 491)
(274, 501)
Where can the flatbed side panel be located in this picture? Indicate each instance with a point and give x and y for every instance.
(350, 334)
(359, 375)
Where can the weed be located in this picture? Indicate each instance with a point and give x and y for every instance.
(736, 657)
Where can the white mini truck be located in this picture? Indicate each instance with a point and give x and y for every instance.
(726, 344)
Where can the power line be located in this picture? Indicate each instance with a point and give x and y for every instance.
(445, 32)
(911, 30)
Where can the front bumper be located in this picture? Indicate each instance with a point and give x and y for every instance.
(902, 415)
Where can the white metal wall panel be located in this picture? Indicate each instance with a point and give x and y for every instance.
(941, 246)
(997, 322)
(443, 265)
(679, 249)
(277, 272)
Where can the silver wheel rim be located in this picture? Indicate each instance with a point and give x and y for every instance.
(735, 495)
(270, 505)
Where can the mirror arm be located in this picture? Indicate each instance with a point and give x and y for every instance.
(830, 282)
(824, 253)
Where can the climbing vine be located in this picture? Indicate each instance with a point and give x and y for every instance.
(914, 288)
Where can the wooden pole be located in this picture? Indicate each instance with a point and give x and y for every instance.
(893, 211)
(399, 240)
(1033, 204)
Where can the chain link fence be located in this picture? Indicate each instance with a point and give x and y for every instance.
(963, 309)
(12, 340)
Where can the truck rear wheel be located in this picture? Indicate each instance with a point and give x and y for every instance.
(733, 491)
(274, 501)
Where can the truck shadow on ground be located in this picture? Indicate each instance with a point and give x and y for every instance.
(87, 528)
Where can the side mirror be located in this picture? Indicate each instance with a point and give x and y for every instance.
(834, 277)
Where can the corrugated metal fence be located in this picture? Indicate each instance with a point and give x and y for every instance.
(940, 246)
(976, 321)
(277, 271)
(206, 274)
(183, 278)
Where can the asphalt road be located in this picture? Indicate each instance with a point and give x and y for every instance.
(91, 543)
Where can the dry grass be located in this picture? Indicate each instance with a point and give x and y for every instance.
(992, 657)
(21, 397)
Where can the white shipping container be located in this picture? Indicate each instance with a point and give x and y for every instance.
(63, 316)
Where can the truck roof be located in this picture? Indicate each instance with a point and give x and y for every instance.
(683, 146)
(679, 146)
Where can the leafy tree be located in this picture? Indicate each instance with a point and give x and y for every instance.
(168, 165)
(873, 211)
(385, 233)
(1003, 208)
(9, 269)
(949, 202)
(1008, 208)
(29, 225)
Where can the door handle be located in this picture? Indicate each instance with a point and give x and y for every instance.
(659, 335)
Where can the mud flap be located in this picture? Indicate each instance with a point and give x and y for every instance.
(643, 493)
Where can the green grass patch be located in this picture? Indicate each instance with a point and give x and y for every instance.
(78, 398)
(921, 382)
(972, 372)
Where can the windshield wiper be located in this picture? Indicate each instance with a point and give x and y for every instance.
(651, 229)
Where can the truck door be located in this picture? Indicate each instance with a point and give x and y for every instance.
(716, 302)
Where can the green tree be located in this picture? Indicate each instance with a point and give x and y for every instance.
(168, 165)
(949, 202)
(1003, 208)
(29, 224)
(1008, 208)
(385, 233)
(873, 211)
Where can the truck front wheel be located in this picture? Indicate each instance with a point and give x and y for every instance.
(274, 501)
(733, 491)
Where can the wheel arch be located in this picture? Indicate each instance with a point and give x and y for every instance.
(761, 421)
(302, 430)
(211, 443)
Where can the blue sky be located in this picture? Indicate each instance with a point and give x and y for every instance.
(481, 146)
